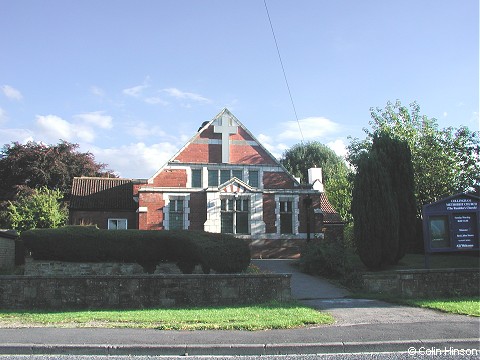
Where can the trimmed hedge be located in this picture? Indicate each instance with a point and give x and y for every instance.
(220, 252)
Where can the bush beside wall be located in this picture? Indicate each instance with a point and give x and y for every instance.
(220, 252)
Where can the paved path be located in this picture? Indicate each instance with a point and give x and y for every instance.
(304, 286)
(321, 294)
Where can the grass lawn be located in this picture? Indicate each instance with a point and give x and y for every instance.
(465, 306)
(468, 305)
(255, 317)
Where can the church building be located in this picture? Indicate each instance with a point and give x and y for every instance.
(224, 181)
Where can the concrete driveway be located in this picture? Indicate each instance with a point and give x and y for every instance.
(319, 293)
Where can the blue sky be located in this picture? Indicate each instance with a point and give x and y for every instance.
(131, 81)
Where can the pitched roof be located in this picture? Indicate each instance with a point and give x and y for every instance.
(90, 193)
(330, 216)
(206, 133)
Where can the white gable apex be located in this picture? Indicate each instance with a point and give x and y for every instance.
(235, 186)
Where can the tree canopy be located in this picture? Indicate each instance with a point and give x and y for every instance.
(35, 165)
(40, 208)
(301, 157)
(445, 161)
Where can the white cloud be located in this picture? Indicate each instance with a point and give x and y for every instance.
(95, 90)
(142, 160)
(179, 94)
(53, 128)
(275, 148)
(3, 116)
(96, 118)
(135, 91)
(155, 100)
(7, 136)
(339, 147)
(312, 128)
(141, 130)
(11, 93)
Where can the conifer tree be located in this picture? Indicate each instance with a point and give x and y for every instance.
(375, 213)
(396, 159)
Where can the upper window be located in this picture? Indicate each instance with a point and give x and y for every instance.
(117, 224)
(196, 178)
(212, 177)
(238, 174)
(217, 177)
(253, 178)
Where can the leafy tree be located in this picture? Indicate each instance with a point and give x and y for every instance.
(445, 161)
(41, 208)
(24, 168)
(336, 174)
(35, 165)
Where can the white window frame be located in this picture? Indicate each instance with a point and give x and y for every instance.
(234, 211)
(117, 220)
(295, 213)
(186, 209)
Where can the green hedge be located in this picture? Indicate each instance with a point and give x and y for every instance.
(220, 252)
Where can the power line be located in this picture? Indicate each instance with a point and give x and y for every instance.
(283, 69)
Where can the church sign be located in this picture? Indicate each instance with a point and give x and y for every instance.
(452, 224)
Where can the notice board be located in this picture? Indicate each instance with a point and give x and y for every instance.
(452, 224)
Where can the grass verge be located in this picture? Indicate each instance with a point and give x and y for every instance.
(255, 317)
(466, 305)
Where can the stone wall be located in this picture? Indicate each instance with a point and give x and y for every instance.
(54, 268)
(7, 253)
(424, 283)
(141, 291)
(61, 268)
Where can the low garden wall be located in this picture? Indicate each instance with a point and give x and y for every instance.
(424, 282)
(141, 291)
(7, 253)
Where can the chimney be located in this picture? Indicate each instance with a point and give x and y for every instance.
(315, 178)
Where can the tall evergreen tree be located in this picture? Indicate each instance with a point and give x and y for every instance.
(396, 158)
(375, 213)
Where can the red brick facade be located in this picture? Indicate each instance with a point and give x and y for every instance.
(224, 180)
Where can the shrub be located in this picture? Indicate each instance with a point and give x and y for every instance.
(220, 252)
(88, 243)
(224, 253)
(325, 258)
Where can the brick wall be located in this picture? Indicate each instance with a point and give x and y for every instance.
(277, 180)
(140, 291)
(424, 283)
(100, 218)
(171, 178)
(152, 219)
(198, 210)
(269, 216)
